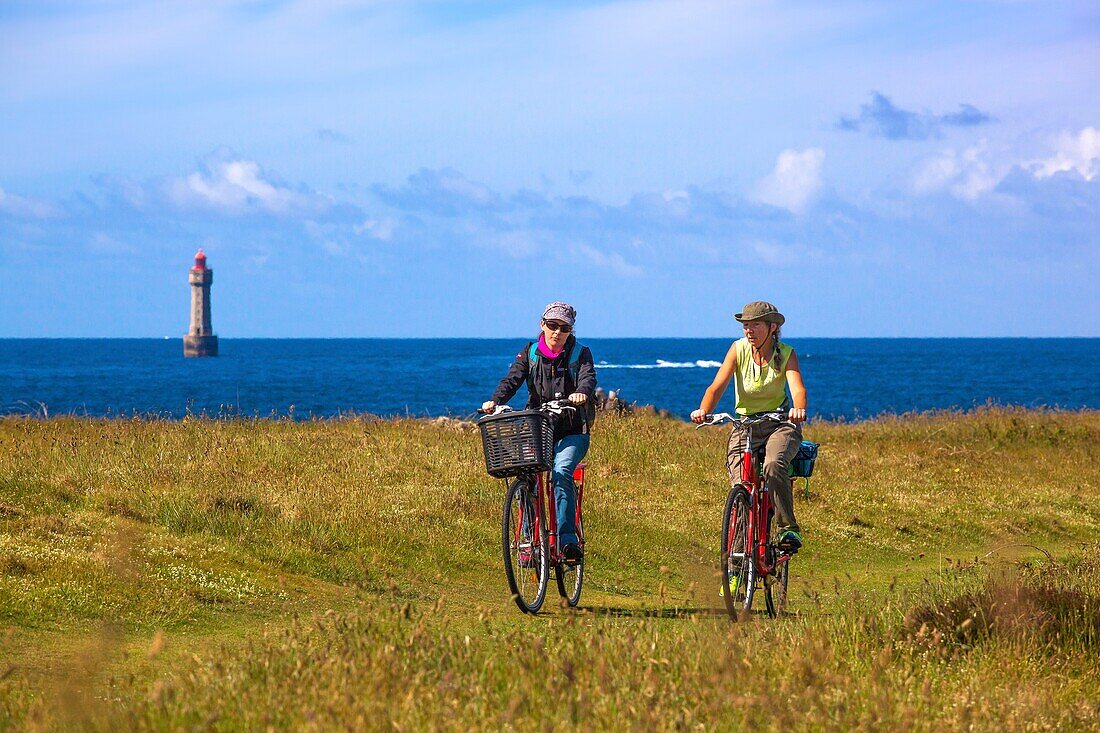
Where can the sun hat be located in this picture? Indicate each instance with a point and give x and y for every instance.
(559, 311)
(760, 310)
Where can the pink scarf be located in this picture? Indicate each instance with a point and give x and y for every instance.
(544, 349)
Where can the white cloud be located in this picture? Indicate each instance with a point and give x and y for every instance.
(1080, 152)
(613, 261)
(25, 207)
(796, 180)
(967, 174)
(463, 187)
(240, 186)
(975, 171)
(444, 192)
(775, 254)
(675, 204)
(517, 243)
(382, 230)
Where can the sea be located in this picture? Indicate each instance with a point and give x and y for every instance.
(847, 379)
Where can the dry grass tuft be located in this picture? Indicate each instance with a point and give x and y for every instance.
(1011, 611)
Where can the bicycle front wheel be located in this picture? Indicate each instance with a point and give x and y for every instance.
(738, 565)
(570, 579)
(525, 546)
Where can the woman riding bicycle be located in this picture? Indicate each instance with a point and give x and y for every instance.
(557, 367)
(764, 368)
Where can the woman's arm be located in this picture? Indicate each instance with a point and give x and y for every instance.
(798, 390)
(586, 378)
(508, 386)
(717, 387)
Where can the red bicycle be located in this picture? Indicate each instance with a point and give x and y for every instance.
(749, 557)
(519, 444)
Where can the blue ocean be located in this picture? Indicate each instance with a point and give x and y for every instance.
(849, 379)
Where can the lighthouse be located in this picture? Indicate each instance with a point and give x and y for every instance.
(200, 339)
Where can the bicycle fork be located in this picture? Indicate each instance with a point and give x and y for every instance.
(538, 505)
(546, 499)
(529, 528)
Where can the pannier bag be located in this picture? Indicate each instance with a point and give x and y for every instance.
(517, 443)
(802, 466)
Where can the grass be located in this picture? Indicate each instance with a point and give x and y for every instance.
(240, 575)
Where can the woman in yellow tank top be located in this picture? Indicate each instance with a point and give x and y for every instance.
(764, 369)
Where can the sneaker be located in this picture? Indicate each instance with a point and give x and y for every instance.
(572, 553)
(527, 557)
(731, 585)
(790, 540)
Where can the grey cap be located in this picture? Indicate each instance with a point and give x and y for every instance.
(559, 311)
(760, 310)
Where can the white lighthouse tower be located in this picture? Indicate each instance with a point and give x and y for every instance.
(200, 339)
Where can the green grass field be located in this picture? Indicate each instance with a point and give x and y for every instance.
(246, 575)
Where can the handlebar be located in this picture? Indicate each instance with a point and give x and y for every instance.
(554, 407)
(557, 407)
(746, 420)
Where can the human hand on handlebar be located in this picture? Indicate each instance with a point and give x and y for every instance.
(699, 416)
(488, 407)
(578, 398)
(797, 414)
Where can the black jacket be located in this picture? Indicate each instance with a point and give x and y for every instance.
(552, 380)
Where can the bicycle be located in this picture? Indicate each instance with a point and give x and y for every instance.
(519, 445)
(749, 556)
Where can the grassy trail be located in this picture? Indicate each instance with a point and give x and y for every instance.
(332, 575)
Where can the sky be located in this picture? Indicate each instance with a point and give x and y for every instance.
(428, 168)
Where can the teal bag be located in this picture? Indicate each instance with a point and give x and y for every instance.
(802, 465)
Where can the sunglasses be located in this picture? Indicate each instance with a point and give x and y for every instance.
(555, 326)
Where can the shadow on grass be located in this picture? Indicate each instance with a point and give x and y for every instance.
(618, 612)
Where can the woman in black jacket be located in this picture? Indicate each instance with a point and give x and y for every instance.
(557, 367)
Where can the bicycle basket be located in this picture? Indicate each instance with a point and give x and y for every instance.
(802, 466)
(517, 443)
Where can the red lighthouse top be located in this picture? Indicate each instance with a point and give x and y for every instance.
(200, 260)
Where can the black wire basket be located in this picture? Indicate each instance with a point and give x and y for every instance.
(517, 443)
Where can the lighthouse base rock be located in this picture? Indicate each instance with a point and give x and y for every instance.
(200, 345)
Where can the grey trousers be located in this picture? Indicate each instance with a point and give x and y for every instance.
(781, 442)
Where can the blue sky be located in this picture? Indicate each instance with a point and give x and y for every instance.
(446, 168)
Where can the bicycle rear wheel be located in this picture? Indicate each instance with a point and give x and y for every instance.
(775, 585)
(571, 577)
(525, 546)
(738, 565)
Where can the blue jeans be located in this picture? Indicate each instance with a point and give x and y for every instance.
(568, 452)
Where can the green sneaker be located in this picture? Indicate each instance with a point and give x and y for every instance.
(789, 541)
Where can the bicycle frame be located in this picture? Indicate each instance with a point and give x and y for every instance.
(760, 502)
(546, 506)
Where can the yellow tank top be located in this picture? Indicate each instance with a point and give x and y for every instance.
(760, 388)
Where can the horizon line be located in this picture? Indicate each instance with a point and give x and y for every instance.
(528, 337)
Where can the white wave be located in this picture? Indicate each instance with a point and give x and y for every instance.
(662, 364)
